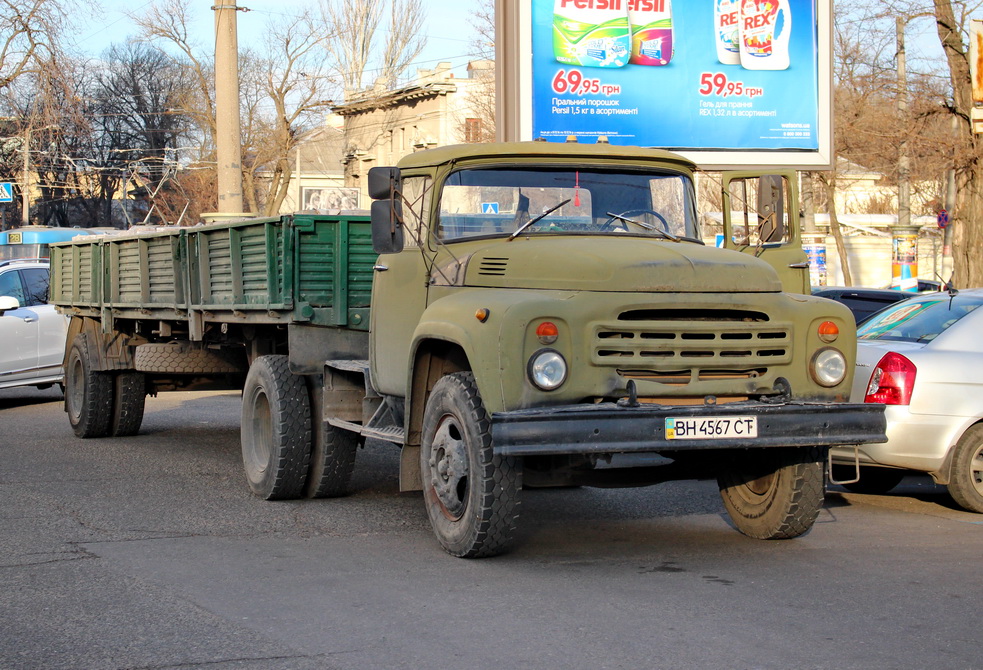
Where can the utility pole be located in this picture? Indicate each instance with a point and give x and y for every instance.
(228, 139)
(904, 168)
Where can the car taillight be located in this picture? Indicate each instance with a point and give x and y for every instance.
(892, 381)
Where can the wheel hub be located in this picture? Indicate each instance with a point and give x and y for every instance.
(449, 468)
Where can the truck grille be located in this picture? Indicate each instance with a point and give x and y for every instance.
(682, 345)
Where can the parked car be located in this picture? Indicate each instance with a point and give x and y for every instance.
(863, 302)
(32, 333)
(923, 358)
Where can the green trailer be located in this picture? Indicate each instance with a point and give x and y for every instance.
(509, 316)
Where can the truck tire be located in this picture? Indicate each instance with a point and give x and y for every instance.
(774, 494)
(332, 462)
(88, 394)
(181, 358)
(276, 429)
(966, 481)
(129, 397)
(471, 495)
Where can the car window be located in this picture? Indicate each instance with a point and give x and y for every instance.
(10, 285)
(37, 286)
(920, 320)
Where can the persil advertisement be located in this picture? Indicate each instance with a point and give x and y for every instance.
(704, 75)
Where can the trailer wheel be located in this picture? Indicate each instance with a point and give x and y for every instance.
(88, 394)
(471, 495)
(276, 429)
(129, 397)
(181, 358)
(774, 494)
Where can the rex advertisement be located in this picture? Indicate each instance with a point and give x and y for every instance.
(714, 75)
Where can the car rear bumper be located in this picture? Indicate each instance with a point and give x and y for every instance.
(613, 428)
(914, 441)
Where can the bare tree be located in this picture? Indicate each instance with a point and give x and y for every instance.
(352, 45)
(29, 34)
(285, 93)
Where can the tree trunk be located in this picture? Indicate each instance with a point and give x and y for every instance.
(834, 227)
(968, 234)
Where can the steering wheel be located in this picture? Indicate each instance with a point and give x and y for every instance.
(631, 214)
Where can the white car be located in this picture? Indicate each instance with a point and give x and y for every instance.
(922, 358)
(32, 333)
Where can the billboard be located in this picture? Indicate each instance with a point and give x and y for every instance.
(725, 82)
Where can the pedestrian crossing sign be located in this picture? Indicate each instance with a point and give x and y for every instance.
(6, 191)
(489, 208)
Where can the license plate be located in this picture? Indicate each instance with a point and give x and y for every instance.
(712, 428)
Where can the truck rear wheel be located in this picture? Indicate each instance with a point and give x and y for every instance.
(774, 494)
(471, 495)
(332, 463)
(129, 397)
(88, 394)
(276, 429)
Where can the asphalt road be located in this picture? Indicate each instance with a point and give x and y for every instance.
(149, 552)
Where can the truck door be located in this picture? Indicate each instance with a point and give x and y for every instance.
(761, 218)
(399, 293)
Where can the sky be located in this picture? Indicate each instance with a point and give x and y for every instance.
(448, 28)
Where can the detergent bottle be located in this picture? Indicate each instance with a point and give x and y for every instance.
(726, 14)
(651, 31)
(591, 33)
(765, 29)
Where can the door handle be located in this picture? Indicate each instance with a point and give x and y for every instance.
(30, 319)
(802, 265)
(380, 268)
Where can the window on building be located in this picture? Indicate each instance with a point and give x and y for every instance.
(472, 130)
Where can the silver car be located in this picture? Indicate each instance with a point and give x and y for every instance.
(32, 333)
(922, 358)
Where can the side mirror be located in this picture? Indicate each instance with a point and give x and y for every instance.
(384, 182)
(387, 226)
(8, 302)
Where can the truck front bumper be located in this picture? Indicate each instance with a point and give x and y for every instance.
(611, 428)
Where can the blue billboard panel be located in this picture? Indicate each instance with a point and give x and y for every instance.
(716, 75)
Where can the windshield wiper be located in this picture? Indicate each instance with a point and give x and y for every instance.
(648, 226)
(537, 219)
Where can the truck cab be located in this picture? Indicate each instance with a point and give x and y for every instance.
(567, 293)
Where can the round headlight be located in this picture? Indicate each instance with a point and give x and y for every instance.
(547, 369)
(828, 367)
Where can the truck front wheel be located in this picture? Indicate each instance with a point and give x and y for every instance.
(88, 394)
(471, 495)
(275, 430)
(774, 494)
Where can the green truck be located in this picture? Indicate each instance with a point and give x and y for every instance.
(509, 315)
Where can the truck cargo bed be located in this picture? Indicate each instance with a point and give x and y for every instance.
(308, 269)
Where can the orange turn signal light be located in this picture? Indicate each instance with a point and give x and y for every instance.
(482, 314)
(828, 331)
(547, 332)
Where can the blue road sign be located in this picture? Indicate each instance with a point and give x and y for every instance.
(6, 191)
(943, 218)
(489, 208)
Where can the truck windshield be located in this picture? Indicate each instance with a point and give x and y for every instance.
(494, 201)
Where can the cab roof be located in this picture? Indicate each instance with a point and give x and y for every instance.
(502, 151)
